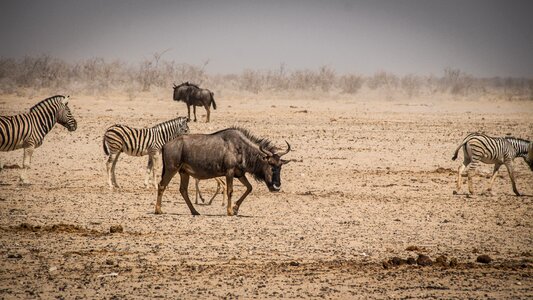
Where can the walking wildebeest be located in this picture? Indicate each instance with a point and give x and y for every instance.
(231, 152)
(193, 95)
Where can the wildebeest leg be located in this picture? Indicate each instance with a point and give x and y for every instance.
(113, 177)
(229, 193)
(188, 112)
(509, 165)
(494, 173)
(167, 175)
(208, 110)
(248, 186)
(194, 110)
(184, 184)
(26, 163)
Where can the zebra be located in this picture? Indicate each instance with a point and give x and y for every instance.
(479, 147)
(139, 142)
(27, 130)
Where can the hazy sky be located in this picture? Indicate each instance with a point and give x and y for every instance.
(483, 38)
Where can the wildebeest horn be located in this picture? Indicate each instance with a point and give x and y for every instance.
(265, 152)
(288, 149)
(175, 86)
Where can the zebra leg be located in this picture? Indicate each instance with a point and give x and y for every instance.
(155, 169)
(509, 165)
(26, 164)
(194, 110)
(459, 179)
(470, 170)
(113, 166)
(149, 169)
(108, 165)
(216, 192)
(197, 187)
(494, 173)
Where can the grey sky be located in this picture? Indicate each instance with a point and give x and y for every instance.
(483, 38)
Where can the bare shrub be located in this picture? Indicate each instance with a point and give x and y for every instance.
(251, 81)
(411, 85)
(350, 84)
(383, 80)
(456, 82)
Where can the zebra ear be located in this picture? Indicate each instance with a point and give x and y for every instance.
(65, 100)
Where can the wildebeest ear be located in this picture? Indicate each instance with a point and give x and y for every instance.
(285, 161)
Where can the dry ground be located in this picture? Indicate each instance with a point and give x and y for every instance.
(368, 180)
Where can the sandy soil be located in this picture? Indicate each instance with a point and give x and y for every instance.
(370, 180)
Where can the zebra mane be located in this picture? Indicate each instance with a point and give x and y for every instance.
(47, 100)
(521, 145)
(160, 125)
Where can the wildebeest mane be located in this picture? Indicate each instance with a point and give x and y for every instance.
(252, 160)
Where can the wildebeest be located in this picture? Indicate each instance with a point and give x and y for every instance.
(193, 95)
(231, 152)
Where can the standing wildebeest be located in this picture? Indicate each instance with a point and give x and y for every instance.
(479, 147)
(29, 129)
(193, 95)
(232, 152)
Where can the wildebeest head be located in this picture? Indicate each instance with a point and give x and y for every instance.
(271, 170)
(181, 91)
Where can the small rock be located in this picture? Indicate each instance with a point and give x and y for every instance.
(52, 269)
(411, 261)
(109, 262)
(441, 260)
(14, 255)
(484, 259)
(294, 263)
(397, 261)
(386, 264)
(453, 262)
(412, 248)
(116, 229)
(424, 260)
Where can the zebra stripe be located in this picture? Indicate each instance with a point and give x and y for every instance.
(139, 142)
(28, 130)
(479, 147)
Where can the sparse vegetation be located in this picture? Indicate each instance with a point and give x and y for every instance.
(97, 76)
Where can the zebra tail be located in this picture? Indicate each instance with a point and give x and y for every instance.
(213, 101)
(106, 151)
(457, 150)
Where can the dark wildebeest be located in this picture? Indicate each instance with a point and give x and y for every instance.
(231, 152)
(193, 95)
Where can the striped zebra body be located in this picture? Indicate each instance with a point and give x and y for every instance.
(139, 142)
(481, 148)
(28, 130)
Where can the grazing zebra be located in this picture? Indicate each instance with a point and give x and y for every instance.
(479, 147)
(28, 130)
(139, 142)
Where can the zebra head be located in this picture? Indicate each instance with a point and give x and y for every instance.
(183, 125)
(64, 116)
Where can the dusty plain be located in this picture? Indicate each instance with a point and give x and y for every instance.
(370, 180)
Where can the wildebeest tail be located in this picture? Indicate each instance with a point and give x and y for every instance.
(213, 100)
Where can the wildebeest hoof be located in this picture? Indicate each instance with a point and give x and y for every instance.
(468, 195)
(455, 192)
(158, 211)
(195, 213)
